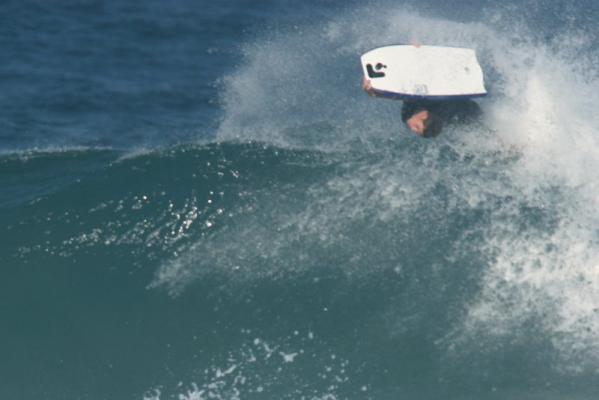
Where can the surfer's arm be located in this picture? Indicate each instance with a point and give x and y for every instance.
(367, 86)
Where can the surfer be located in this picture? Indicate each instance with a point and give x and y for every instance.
(427, 118)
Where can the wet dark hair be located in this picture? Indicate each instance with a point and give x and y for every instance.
(432, 126)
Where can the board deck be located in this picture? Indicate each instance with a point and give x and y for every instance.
(429, 72)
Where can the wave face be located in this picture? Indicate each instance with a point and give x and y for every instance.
(310, 246)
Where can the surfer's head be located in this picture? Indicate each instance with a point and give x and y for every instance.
(417, 122)
(424, 123)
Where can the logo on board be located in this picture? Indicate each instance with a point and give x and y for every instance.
(376, 71)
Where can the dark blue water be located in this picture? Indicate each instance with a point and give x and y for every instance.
(198, 202)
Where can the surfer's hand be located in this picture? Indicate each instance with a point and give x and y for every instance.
(367, 86)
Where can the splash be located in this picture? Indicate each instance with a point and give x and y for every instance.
(262, 369)
(530, 168)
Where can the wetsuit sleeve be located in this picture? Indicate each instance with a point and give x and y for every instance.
(448, 111)
(462, 111)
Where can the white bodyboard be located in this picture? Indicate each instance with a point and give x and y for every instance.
(406, 71)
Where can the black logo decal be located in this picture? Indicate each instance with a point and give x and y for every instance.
(376, 71)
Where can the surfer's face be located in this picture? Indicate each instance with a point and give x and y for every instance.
(417, 122)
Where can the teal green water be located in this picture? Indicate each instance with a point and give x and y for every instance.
(250, 269)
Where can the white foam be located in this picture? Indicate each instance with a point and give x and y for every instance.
(548, 273)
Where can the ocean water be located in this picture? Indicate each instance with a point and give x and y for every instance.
(197, 201)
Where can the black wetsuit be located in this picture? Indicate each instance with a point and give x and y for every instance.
(448, 111)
